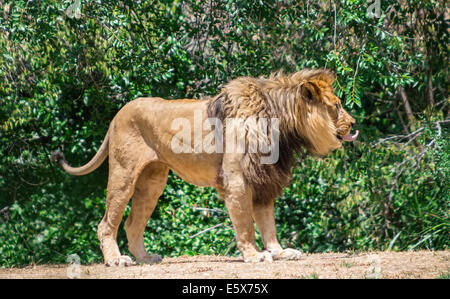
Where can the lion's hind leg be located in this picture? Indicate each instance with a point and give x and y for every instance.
(149, 187)
(120, 188)
(124, 170)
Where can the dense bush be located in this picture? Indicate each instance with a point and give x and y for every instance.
(63, 76)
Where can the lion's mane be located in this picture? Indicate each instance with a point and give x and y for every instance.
(303, 122)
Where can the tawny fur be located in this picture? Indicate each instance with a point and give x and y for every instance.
(139, 147)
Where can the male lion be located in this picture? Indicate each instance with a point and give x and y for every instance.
(140, 144)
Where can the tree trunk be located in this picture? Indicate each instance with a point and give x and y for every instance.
(401, 91)
(430, 87)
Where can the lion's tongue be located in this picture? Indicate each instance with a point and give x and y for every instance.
(350, 137)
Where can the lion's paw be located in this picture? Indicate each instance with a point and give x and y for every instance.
(289, 254)
(264, 256)
(150, 259)
(121, 261)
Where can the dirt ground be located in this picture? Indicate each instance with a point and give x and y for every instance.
(418, 264)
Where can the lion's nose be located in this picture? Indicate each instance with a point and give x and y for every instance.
(352, 123)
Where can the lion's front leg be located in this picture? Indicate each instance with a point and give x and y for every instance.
(263, 214)
(239, 207)
(238, 200)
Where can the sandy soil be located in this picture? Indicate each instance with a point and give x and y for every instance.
(419, 264)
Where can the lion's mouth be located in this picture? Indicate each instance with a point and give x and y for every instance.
(349, 137)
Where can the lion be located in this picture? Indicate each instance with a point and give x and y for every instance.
(141, 144)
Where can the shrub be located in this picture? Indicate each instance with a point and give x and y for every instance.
(63, 78)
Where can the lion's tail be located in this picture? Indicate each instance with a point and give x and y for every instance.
(89, 167)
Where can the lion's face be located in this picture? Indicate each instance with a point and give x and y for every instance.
(342, 120)
(329, 123)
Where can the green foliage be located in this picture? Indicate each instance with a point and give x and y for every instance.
(378, 210)
(63, 78)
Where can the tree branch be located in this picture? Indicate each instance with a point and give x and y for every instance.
(417, 158)
(412, 136)
(401, 91)
(206, 230)
(430, 86)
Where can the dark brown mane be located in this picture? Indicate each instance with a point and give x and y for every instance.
(279, 96)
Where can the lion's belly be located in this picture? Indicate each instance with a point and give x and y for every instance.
(198, 169)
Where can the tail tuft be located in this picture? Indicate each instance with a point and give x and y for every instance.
(57, 157)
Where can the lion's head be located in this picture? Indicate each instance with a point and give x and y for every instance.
(310, 115)
(316, 113)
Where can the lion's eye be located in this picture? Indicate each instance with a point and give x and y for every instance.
(337, 107)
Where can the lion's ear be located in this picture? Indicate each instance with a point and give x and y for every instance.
(310, 91)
